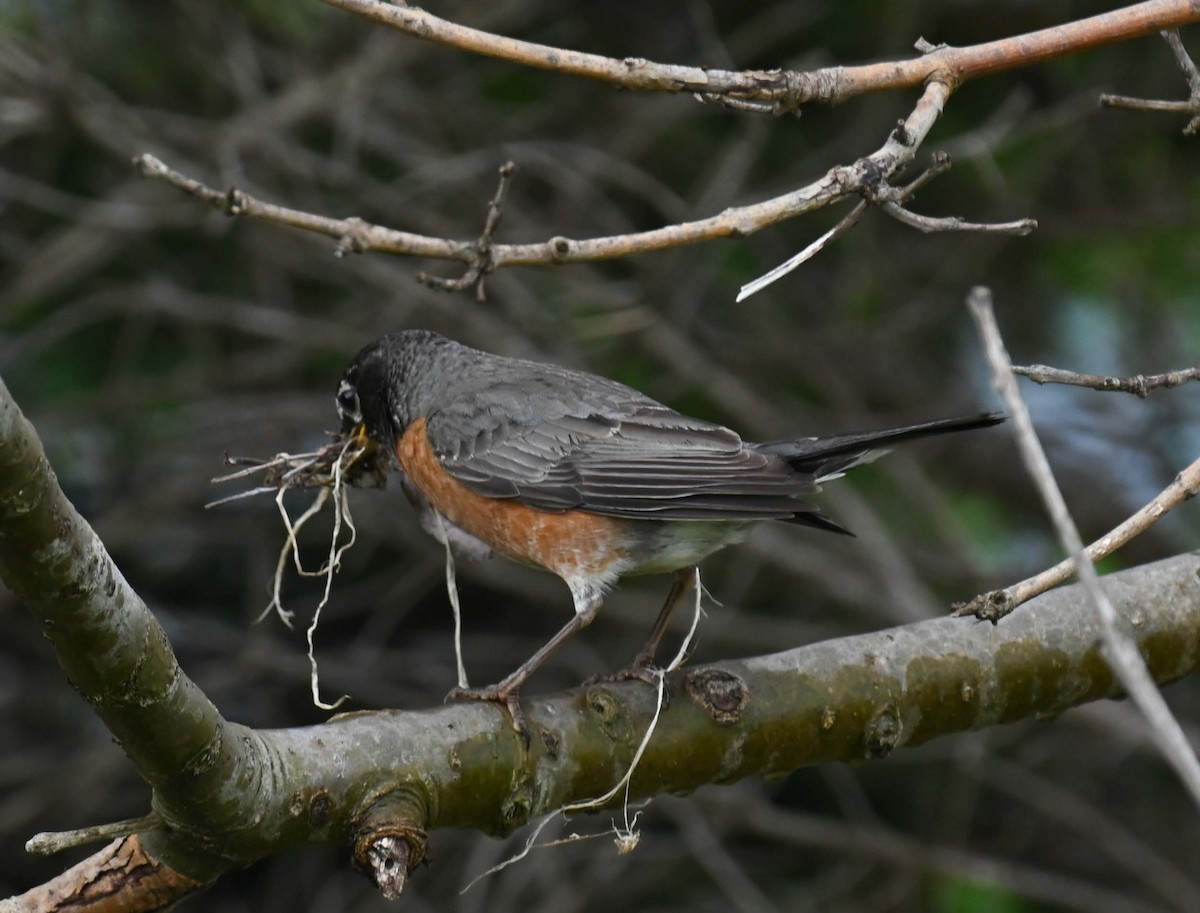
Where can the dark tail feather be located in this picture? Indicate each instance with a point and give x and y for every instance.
(821, 455)
(828, 457)
(817, 520)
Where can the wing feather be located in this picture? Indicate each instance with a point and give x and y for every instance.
(605, 448)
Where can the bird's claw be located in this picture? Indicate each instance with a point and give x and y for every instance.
(508, 697)
(640, 670)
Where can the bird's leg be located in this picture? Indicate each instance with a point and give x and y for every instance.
(642, 668)
(506, 691)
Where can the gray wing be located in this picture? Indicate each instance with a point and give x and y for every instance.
(575, 441)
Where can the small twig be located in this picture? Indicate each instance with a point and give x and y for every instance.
(1139, 385)
(996, 604)
(315, 469)
(356, 236)
(353, 234)
(939, 164)
(930, 224)
(482, 263)
(1132, 103)
(876, 190)
(1120, 649)
(873, 170)
(925, 46)
(1191, 73)
(891, 199)
(284, 470)
(242, 495)
(48, 843)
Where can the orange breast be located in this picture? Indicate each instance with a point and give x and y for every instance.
(571, 544)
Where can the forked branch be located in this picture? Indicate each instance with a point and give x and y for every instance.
(1191, 73)
(1117, 638)
(994, 605)
(866, 177)
(939, 69)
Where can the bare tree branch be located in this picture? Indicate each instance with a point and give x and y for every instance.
(482, 265)
(865, 176)
(995, 605)
(1119, 645)
(930, 224)
(1191, 73)
(776, 90)
(784, 90)
(1139, 385)
(880, 192)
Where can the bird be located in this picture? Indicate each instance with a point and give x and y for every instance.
(580, 475)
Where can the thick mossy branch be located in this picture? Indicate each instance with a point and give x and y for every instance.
(112, 649)
(840, 700)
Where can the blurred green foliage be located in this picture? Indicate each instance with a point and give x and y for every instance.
(957, 895)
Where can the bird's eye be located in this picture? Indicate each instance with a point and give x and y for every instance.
(347, 401)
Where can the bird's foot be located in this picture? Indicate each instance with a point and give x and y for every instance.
(508, 697)
(642, 669)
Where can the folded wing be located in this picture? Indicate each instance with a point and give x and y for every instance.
(627, 457)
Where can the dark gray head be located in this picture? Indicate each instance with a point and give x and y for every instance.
(385, 386)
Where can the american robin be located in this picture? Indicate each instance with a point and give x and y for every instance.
(578, 474)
